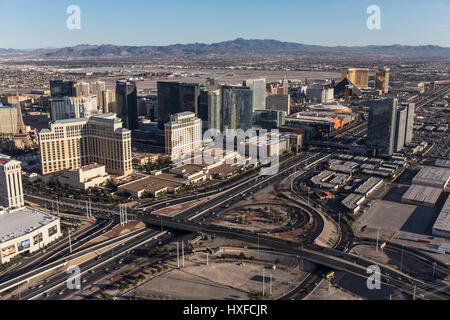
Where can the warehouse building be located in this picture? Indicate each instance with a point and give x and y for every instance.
(422, 196)
(433, 177)
(441, 227)
(353, 202)
(370, 185)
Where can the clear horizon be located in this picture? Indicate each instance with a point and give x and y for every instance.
(36, 24)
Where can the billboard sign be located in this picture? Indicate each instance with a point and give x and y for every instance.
(37, 238)
(8, 251)
(53, 230)
(25, 244)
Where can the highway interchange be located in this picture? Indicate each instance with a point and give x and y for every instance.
(197, 219)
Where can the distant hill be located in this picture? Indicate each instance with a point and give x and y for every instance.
(238, 46)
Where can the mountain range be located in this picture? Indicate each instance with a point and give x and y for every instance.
(234, 47)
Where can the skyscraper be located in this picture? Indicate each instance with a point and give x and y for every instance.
(400, 128)
(126, 106)
(183, 134)
(360, 77)
(209, 109)
(382, 79)
(176, 97)
(11, 190)
(109, 100)
(411, 107)
(98, 88)
(82, 89)
(382, 124)
(73, 143)
(73, 107)
(59, 88)
(237, 108)
(258, 86)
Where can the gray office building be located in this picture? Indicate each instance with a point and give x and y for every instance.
(209, 109)
(400, 128)
(258, 86)
(176, 97)
(237, 111)
(126, 106)
(411, 108)
(60, 88)
(382, 124)
(269, 119)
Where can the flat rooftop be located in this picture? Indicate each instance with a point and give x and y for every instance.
(368, 185)
(433, 175)
(20, 222)
(443, 220)
(150, 183)
(425, 194)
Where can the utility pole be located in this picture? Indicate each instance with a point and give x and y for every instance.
(182, 250)
(258, 246)
(401, 260)
(70, 242)
(414, 295)
(178, 255)
(263, 283)
(377, 240)
(270, 284)
(207, 258)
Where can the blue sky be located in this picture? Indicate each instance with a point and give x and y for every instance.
(42, 23)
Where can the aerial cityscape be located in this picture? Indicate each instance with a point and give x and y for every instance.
(245, 169)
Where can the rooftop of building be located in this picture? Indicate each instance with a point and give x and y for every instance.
(151, 183)
(423, 194)
(19, 222)
(433, 175)
(443, 220)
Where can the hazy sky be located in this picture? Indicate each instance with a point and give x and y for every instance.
(42, 23)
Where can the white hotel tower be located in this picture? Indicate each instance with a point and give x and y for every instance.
(11, 191)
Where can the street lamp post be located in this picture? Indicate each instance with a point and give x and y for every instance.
(401, 260)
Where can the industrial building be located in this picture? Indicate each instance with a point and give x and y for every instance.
(369, 186)
(422, 195)
(441, 227)
(433, 177)
(353, 202)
